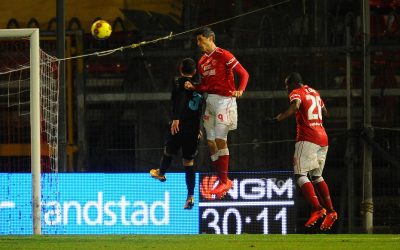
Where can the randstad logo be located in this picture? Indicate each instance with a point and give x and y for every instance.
(7, 204)
(108, 213)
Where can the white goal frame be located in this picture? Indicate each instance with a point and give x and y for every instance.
(33, 35)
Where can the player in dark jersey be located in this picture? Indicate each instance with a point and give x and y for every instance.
(311, 148)
(184, 132)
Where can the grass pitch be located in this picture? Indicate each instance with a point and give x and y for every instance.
(204, 242)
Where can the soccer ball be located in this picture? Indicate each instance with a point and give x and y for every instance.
(101, 30)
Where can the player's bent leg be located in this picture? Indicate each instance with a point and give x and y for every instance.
(323, 189)
(155, 173)
(307, 189)
(165, 163)
(212, 146)
(224, 183)
(213, 161)
(221, 134)
(315, 180)
(223, 161)
(169, 151)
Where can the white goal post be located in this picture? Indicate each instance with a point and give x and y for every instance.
(33, 35)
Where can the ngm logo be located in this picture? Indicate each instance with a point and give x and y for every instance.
(250, 188)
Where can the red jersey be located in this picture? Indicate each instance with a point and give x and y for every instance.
(309, 116)
(216, 72)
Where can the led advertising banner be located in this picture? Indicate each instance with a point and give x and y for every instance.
(260, 203)
(98, 204)
(134, 203)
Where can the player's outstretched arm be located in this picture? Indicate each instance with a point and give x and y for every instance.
(198, 87)
(270, 120)
(294, 106)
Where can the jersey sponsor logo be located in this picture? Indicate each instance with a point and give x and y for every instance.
(210, 72)
(209, 67)
(315, 124)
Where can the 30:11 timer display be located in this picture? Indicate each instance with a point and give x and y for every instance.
(259, 203)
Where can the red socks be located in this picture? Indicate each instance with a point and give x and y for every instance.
(308, 191)
(323, 190)
(222, 168)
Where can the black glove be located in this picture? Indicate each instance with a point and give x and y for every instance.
(270, 121)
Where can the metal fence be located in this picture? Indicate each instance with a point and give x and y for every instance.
(120, 123)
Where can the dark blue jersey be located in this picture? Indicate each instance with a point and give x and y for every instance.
(186, 105)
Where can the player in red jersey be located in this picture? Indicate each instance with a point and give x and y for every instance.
(217, 67)
(310, 149)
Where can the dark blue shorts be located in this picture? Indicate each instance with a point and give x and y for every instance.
(186, 141)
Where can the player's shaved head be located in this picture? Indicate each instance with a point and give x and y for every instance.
(293, 81)
(294, 77)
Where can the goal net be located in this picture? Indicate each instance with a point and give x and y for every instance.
(29, 130)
